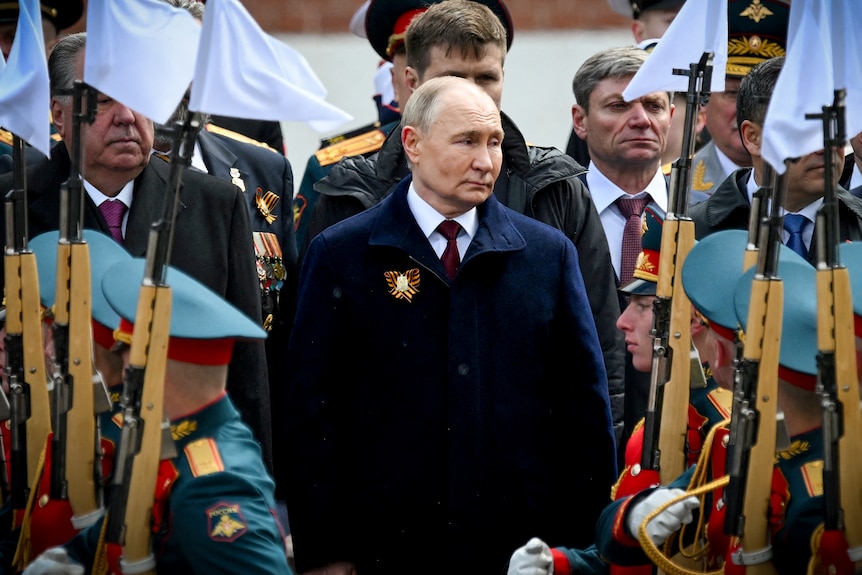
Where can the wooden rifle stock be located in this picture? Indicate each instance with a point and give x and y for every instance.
(143, 439)
(75, 425)
(836, 367)
(28, 386)
(751, 454)
(666, 420)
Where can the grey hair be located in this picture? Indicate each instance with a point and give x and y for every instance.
(619, 62)
(62, 71)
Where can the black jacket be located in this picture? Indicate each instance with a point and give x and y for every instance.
(539, 182)
(728, 209)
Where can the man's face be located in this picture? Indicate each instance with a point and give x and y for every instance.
(118, 140)
(456, 161)
(636, 322)
(806, 179)
(620, 132)
(486, 72)
(721, 122)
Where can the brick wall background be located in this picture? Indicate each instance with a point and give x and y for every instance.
(333, 16)
(323, 16)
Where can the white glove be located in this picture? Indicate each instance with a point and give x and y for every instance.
(668, 521)
(534, 558)
(54, 561)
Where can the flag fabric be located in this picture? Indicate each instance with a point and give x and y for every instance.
(242, 71)
(698, 27)
(25, 98)
(847, 58)
(141, 53)
(805, 85)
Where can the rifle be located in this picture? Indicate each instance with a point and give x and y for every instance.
(144, 439)
(759, 212)
(752, 434)
(29, 413)
(74, 406)
(665, 429)
(837, 385)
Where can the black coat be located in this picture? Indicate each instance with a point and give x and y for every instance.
(212, 243)
(436, 433)
(542, 183)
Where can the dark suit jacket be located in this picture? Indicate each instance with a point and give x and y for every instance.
(212, 243)
(260, 167)
(728, 209)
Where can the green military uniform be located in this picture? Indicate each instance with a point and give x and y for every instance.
(364, 141)
(214, 503)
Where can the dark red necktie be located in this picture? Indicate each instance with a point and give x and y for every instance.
(113, 211)
(451, 258)
(631, 209)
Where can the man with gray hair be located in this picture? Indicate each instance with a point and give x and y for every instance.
(626, 141)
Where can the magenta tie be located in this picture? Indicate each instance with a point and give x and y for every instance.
(113, 211)
(632, 209)
(451, 258)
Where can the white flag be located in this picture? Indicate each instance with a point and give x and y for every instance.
(141, 53)
(847, 57)
(244, 72)
(805, 85)
(25, 98)
(699, 27)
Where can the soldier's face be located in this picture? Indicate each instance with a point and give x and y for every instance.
(636, 322)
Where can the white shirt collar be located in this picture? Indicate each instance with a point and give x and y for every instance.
(428, 218)
(604, 192)
(98, 197)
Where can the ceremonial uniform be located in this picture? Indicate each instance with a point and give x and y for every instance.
(367, 141)
(218, 509)
(266, 180)
(707, 172)
(795, 504)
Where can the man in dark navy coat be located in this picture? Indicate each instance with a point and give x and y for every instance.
(430, 414)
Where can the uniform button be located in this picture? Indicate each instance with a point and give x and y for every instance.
(463, 369)
(636, 469)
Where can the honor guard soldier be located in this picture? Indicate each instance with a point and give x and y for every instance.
(384, 25)
(214, 504)
(795, 503)
(756, 31)
(50, 521)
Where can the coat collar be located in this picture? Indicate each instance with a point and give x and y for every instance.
(217, 157)
(496, 231)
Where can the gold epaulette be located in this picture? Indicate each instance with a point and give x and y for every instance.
(56, 136)
(6, 137)
(203, 457)
(338, 138)
(355, 146)
(210, 127)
